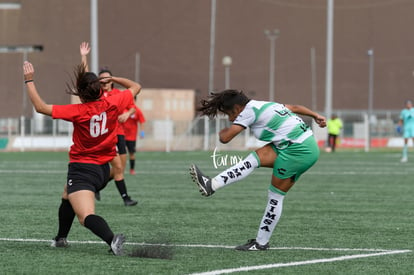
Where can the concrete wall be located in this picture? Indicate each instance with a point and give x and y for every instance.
(173, 40)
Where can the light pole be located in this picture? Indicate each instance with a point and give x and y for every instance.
(94, 36)
(137, 66)
(370, 54)
(272, 36)
(227, 61)
(329, 57)
(24, 49)
(314, 87)
(211, 67)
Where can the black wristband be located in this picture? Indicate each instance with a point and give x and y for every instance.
(27, 81)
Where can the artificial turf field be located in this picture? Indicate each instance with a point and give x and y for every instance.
(352, 213)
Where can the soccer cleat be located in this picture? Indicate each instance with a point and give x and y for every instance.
(117, 244)
(61, 242)
(252, 245)
(132, 172)
(203, 182)
(404, 159)
(129, 202)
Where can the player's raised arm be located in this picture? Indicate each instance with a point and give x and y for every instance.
(228, 133)
(124, 117)
(302, 110)
(133, 86)
(84, 51)
(38, 103)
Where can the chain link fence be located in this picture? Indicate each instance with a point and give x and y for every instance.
(44, 133)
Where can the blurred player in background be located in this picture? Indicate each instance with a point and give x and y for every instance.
(119, 162)
(406, 122)
(133, 125)
(94, 139)
(334, 126)
(291, 151)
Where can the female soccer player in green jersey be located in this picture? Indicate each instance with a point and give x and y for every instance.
(291, 150)
(407, 123)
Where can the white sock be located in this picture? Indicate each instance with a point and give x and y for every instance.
(405, 151)
(271, 215)
(236, 172)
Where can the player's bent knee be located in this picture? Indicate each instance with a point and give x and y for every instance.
(81, 220)
(82, 217)
(282, 184)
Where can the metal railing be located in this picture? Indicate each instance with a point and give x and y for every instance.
(42, 132)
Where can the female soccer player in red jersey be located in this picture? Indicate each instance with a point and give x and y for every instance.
(94, 139)
(119, 162)
(131, 131)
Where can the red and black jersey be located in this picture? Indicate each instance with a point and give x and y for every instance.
(120, 129)
(131, 125)
(95, 127)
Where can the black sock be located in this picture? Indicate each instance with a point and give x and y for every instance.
(120, 184)
(132, 164)
(99, 227)
(66, 216)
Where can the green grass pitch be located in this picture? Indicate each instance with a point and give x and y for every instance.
(352, 213)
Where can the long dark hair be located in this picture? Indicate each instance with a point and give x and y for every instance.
(85, 85)
(222, 102)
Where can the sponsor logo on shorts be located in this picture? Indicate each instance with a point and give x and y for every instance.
(281, 171)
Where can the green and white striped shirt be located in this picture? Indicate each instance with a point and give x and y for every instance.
(273, 122)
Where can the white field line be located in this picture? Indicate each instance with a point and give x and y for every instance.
(213, 246)
(374, 253)
(316, 261)
(185, 172)
(57, 172)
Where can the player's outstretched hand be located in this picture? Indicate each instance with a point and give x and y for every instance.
(84, 48)
(398, 129)
(28, 70)
(123, 117)
(321, 121)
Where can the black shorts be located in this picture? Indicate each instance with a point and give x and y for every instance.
(131, 144)
(121, 146)
(87, 176)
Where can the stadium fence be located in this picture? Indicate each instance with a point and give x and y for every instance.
(43, 133)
